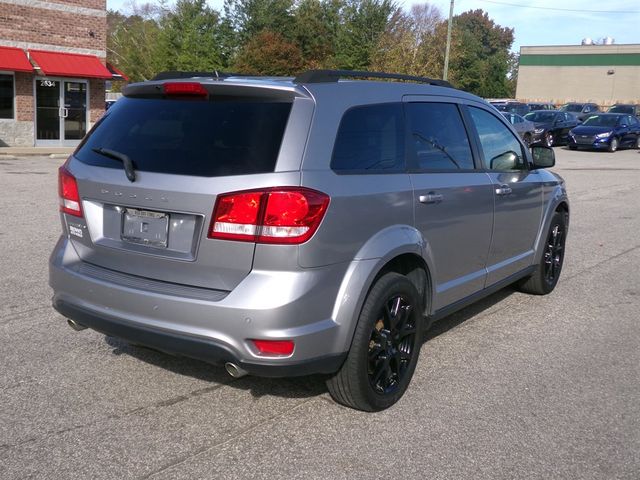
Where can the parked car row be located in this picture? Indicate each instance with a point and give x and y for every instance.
(578, 125)
(579, 109)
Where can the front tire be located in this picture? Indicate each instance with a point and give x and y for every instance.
(545, 278)
(613, 145)
(385, 347)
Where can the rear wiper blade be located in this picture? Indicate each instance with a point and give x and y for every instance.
(126, 161)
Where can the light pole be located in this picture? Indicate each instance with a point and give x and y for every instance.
(445, 73)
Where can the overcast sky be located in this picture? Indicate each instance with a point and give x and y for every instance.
(551, 22)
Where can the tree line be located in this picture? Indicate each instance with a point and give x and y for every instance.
(285, 37)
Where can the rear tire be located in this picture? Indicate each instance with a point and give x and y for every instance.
(385, 347)
(545, 278)
(613, 145)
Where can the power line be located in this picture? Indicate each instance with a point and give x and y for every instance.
(561, 9)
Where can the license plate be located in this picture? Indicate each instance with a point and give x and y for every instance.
(145, 227)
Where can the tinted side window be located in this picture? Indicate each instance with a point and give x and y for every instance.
(502, 151)
(370, 138)
(439, 137)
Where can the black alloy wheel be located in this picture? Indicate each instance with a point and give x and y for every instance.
(613, 144)
(554, 254)
(391, 345)
(545, 277)
(385, 347)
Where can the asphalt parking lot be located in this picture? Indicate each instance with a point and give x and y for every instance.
(514, 387)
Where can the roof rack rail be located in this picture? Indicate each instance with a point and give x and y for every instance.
(327, 76)
(174, 74)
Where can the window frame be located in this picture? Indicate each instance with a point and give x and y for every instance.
(378, 171)
(478, 144)
(15, 113)
(412, 161)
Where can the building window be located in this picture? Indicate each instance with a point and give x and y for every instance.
(6, 96)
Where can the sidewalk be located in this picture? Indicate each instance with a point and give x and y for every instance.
(53, 152)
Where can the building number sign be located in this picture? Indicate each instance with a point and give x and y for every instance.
(47, 83)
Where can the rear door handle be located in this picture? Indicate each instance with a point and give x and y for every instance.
(431, 197)
(503, 190)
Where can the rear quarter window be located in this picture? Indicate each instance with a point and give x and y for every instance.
(370, 139)
(217, 137)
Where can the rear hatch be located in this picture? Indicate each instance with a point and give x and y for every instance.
(185, 150)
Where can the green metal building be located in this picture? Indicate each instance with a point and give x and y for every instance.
(604, 74)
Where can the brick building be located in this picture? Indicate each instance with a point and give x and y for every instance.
(52, 70)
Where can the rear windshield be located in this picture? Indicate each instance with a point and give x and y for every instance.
(210, 138)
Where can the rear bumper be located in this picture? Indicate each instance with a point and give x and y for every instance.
(199, 348)
(265, 305)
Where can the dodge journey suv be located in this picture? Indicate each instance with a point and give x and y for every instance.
(292, 226)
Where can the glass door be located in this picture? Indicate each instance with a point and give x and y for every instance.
(75, 110)
(61, 111)
(47, 111)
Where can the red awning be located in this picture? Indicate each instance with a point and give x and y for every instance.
(117, 74)
(69, 64)
(14, 59)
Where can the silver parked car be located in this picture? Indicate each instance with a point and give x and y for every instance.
(287, 227)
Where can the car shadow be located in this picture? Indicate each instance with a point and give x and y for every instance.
(295, 387)
(452, 321)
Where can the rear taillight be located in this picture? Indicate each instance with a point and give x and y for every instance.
(185, 89)
(275, 215)
(68, 192)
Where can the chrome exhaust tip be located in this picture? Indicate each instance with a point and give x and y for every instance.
(75, 325)
(234, 370)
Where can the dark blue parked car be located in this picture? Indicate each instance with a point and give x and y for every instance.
(606, 130)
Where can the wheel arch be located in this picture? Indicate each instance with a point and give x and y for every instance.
(409, 257)
(559, 203)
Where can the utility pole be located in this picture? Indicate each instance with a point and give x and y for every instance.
(445, 74)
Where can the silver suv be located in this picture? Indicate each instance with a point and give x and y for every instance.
(287, 227)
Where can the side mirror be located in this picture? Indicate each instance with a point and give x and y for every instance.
(543, 157)
(505, 161)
